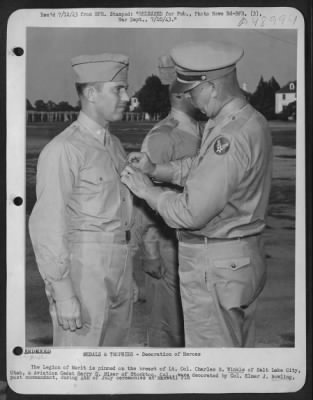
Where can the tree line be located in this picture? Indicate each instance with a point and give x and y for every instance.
(154, 98)
(40, 105)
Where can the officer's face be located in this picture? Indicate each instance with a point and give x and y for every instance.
(203, 98)
(188, 104)
(110, 101)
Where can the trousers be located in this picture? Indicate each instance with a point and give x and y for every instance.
(101, 274)
(165, 320)
(219, 284)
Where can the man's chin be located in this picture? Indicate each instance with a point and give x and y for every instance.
(117, 116)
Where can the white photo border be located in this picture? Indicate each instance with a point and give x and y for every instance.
(294, 358)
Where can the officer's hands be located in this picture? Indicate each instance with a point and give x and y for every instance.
(136, 181)
(153, 267)
(142, 162)
(68, 313)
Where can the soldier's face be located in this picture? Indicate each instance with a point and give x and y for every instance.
(110, 101)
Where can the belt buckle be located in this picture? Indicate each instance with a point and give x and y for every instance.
(127, 236)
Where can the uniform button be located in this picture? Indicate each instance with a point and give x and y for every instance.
(233, 266)
(101, 179)
(123, 199)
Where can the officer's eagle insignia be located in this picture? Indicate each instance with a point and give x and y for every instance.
(221, 145)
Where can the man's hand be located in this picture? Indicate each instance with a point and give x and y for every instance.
(68, 313)
(136, 181)
(142, 162)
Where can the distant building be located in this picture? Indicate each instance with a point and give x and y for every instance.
(134, 103)
(285, 96)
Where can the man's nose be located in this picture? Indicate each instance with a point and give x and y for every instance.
(125, 96)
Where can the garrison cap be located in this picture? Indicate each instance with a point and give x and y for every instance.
(197, 62)
(107, 67)
(166, 70)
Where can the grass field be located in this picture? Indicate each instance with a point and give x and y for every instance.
(276, 309)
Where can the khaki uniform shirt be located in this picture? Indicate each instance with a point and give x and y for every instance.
(175, 137)
(78, 189)
(227, 185)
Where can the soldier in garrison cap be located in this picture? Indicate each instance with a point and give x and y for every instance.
(221, 212)
(175, 137)
(80, 224)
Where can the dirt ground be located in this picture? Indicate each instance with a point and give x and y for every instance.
(275, 318)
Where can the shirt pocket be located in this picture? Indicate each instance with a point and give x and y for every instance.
(92, 180)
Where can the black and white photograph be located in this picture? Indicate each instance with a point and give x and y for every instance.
(161, 163)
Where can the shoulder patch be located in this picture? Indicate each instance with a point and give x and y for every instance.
(221, 145)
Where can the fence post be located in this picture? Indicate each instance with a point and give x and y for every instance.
(69, 116)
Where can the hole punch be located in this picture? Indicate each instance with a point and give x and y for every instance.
(18, 201)
(18, 51)
(18, 350)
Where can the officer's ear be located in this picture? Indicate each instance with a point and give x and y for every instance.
(214, 90)
(90, 93)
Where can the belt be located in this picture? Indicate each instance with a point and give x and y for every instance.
(100, 237)
(187, 237)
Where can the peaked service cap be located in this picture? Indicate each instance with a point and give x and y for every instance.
(197, 62)
(106, 67)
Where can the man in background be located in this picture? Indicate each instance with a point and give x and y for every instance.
(175, 137)
(80, 224)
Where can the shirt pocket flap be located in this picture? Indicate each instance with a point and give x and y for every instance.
(232, 263)
(94, 176)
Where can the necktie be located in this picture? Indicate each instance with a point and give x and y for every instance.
(125, 208)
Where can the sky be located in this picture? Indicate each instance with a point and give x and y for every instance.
(49, 75)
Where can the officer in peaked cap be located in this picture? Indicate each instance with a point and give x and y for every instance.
(199, 62)
(220, 215)
(80, 223)
(175, 137)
